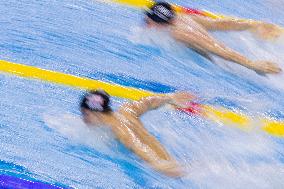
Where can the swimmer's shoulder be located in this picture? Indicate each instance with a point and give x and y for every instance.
(132, 109)
(126, 108)
(181, 22)
(183, 19)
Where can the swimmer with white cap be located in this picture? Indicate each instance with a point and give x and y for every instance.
(193, 31)
(128, 128)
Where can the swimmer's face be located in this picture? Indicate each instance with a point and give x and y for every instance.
(150, 23)
(91, 117)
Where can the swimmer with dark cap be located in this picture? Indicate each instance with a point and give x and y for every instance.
(193, 31)
(128, 128)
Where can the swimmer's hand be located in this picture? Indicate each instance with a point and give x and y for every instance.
(266, 67)
(169, 168)
(267, 31)
(180, 99)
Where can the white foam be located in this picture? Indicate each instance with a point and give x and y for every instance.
(220, 156)
(153, 37)
(72, 127)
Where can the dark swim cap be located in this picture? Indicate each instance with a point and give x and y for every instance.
(161, 12)
(97, 100)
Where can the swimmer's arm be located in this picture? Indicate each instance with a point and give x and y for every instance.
(138, 108)
(226, 23)
(261, 29)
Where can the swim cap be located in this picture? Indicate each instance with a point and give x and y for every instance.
(97, 100)
(161, 12)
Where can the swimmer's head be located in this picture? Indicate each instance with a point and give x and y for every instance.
(161, 13)
(96, 101)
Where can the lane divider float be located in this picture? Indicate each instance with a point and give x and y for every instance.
(220, 115)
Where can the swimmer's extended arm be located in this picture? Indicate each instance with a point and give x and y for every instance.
(261, 29)
(137, 108)
(225, 23)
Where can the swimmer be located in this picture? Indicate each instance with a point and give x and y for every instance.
(125, 123)
(193, 31)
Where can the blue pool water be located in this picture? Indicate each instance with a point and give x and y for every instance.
(43, 139)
